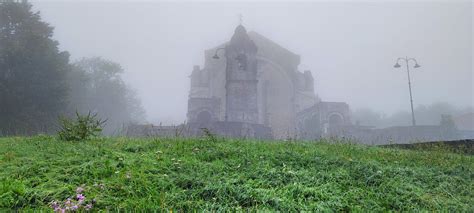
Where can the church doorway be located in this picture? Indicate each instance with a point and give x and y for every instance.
(313, 127)
(204, 117)
(335, 120)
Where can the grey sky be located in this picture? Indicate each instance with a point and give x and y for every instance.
(350, 47)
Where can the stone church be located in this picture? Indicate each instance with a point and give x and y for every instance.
(251, 86)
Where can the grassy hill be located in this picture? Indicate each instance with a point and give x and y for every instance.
(218, 174)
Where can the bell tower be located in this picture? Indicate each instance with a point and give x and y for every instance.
(241, 102)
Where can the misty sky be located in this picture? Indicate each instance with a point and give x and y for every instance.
(350, 47)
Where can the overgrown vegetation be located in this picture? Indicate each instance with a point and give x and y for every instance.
(84, 127)
(184, 174)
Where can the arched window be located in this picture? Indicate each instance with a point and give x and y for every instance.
(242, 61)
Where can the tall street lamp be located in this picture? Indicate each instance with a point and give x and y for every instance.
(397, 65)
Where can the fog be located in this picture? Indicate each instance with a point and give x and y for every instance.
(350, 47)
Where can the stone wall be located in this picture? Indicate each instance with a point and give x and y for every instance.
(400, 134)
(218, 128)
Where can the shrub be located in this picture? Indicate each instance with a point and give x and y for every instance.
(84, 127)
(209, 135)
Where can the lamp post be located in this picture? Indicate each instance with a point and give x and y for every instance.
(215, 54)
(397, 65)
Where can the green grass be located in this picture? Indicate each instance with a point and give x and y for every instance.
(218, 174)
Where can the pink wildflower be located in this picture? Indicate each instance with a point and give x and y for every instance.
(80, 197)
(75, 207)
(54, 204)
(68, 202)
(88, 206)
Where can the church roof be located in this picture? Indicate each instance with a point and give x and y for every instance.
(266, 48)
(275, 52)
(262, 39)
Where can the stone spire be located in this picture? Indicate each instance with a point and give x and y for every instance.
(241, 78)
(241, 42)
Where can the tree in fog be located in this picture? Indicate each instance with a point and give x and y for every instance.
(432, 114)
(425, 115)
(97, 86)
(367, 117)
(33, 71)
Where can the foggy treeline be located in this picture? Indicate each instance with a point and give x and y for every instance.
(425, 115)
(38, 82)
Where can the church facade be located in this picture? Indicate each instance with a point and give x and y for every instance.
(251, 86)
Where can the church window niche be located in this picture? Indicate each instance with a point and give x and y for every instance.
(242, 61)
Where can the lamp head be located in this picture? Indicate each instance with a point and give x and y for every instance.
(397, 65)
(417, 65)
(215, 56)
